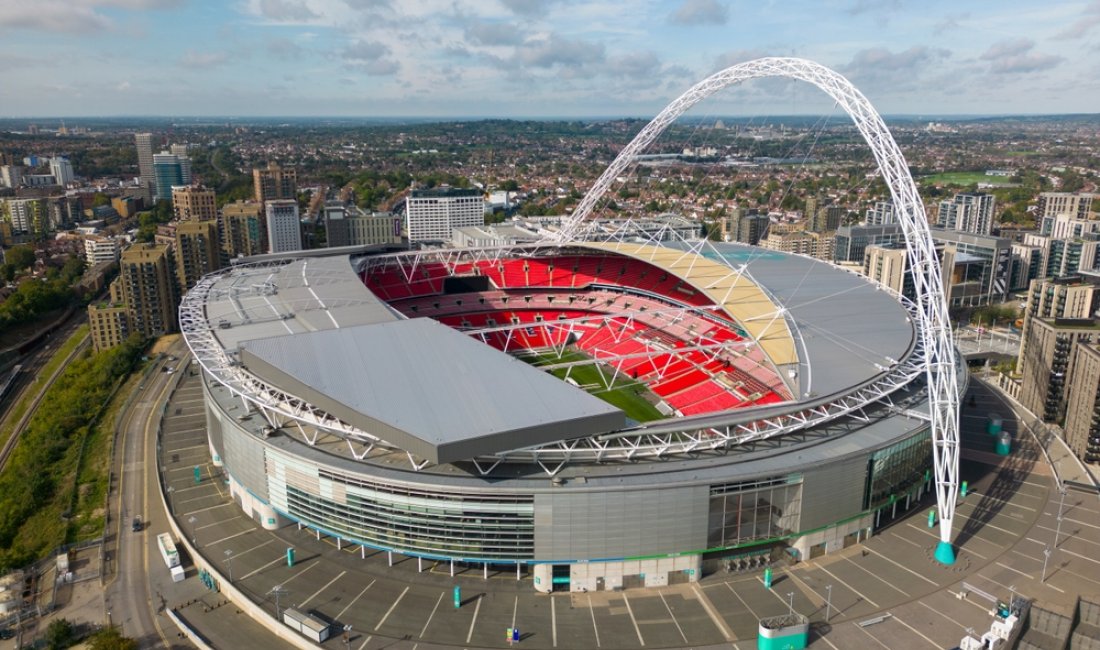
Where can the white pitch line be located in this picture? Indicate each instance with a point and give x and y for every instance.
(630, 611)
(348, 606)
(915, 631)
(470, 634)
(428, 622)
(392, 607)
(318, 592)
(850, 588)
(677, 623)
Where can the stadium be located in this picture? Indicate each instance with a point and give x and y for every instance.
(597, 415)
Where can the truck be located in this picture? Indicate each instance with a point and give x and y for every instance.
(171, 556)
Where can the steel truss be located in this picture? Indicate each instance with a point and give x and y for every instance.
(934, 326)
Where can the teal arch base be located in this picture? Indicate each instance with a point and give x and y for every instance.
(945, 554)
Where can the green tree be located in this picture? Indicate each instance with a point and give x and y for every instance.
(111, 638)
(100, 199)
(20, 257)
(59, 634)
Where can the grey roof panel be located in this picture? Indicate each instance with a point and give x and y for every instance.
(428, 388)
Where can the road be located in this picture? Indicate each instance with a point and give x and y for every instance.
(130, 601)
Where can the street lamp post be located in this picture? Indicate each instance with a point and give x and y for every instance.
(790, 603)
(191, 520)
(1061, 505)
(1046, 557)
(278, 591)
(229, 563)
(828, 601)
(347, 636)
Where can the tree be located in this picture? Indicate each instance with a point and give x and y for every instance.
(59, 634)
(110, 638)
(20, 257)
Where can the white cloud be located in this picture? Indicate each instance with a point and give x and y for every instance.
(193, 59)
(701, 12)
(1015, 56)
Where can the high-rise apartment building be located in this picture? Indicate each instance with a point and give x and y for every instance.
(11, 176)
(243, 229)
(144, 142)
(348, 226)
(168, 169)
(751, 228)
(109, 325)
(850, 242)
(284, 229)
(1048, 355)
(275, 183)
(1082, 425)
(431, 214)
(197, 252)
(98, 249)
(194, 203)
(62, 170)
(971, 213)
(881, 215)
(1072, 204)
(813, 244)
(149, 288)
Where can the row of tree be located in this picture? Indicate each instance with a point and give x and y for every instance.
(35, 297)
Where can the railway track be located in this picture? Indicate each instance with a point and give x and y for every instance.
(10, 443)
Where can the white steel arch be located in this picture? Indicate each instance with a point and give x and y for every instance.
(933, 323)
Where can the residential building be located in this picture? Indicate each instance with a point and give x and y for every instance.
(149, 288)
(243, 229)
(850, 242)
(275, 183)
(432, 214)
(1061, 226)
(126, 206)
(144, 142)
(1077, 205)
(813, 244)
(168, 169)
(349, 226)
(1048, 354)
(194, 203)
(881, 215)
(1082, 427)
(99, 249)
(62, 170)
(197, 252)
(982, 266)
(888, 265)
(284, 229)
(751, 227)
(109, 325)
(11, 176)
(971, 213)
(1027, 265)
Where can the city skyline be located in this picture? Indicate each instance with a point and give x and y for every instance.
(527, 58)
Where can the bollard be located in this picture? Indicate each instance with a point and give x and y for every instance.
(768, 578)
(931, 518)
(962, 489)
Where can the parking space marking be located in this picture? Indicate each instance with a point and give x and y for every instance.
(470, 634)
(595, 628)
(827, 641)
(864, 630)
(348, 606)
(1014, 569)
(272, 563)
(318, 592)
(915, 631)
(1000, 500)
(877, 577)
(713, 613)
(428, 622)
(369, 637)
(850, 588)
(515, 609)
(393, 607)
(553, 622)
(743, 600)
(907, 541)
(630, 611)
(937, 538)
(299, 573)
(674, 621)
(229, 537)
(260, 545)
(964, 627)
(195, 512)
(931, 582)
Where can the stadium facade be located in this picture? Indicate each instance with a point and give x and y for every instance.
(447, 404)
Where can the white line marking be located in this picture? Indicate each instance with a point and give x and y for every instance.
(846, 585)
(553, 622)
(630, 611)
(470, 634)
(1015, 570)
(252, 573)
(714, 617)
(864, 630)
(366, 642)
(942, 614)
(226, 539)
(515, 608)
(428, 622)
(593, 614)
(743, 601)
(931, 582)
(318, 592)
(300, 573)
(392, 607)
(934, 644)
(348, 606)
(878, 577)
(677, 623)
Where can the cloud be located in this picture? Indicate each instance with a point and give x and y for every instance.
(1014, 56)
(733, 57)
(494, 34)
(284, 48)
(1090, 18)
(638, 65)
(949, 22)
(700, 12)
(70, 16)
(125, 85)
(870, 6)
(528, 8)
(555, 50)
(286, 11)
(193, 59)
(370, 57)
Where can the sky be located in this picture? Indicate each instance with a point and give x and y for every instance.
(537, 58)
